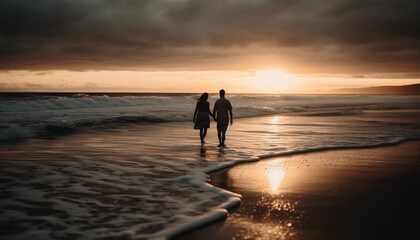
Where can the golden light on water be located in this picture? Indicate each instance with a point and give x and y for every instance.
(275, 120)
(277, 217)
(275, 176)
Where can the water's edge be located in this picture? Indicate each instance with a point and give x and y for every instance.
(221, 212)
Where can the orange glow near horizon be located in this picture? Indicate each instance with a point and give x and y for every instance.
(259, 81)
(272, 80)
(273, 77)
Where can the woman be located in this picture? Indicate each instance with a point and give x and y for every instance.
(201, 116)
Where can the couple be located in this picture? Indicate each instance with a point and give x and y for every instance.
(220, 114)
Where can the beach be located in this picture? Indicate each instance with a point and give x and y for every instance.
(132, 166)
(338, 194)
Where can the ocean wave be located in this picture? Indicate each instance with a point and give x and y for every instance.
(51, 129)
(81, 102)
(50, 115)
(350, 112)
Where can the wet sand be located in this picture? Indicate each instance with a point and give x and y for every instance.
(369, 193)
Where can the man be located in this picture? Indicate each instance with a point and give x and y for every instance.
(220, 112)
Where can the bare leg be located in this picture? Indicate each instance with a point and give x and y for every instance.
(204, 133)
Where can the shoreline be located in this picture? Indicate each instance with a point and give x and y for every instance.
(220, 179)
(171, 175)
(308, 151)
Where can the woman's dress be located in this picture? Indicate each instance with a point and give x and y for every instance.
(202, 119)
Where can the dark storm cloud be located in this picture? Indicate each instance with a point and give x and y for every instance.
(187, 34)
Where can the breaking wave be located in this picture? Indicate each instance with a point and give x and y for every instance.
(45, 115)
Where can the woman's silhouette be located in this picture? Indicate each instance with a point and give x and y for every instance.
(201, 116)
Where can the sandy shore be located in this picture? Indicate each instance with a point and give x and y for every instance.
(339, 194)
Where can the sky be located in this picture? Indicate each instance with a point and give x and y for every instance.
(273, 46)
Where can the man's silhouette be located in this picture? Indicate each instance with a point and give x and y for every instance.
(220, 112)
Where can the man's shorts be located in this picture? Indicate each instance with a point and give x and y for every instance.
(222, 127)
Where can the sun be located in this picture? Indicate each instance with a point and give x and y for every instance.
(271, 80)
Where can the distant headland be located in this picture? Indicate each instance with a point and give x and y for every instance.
(413, 89)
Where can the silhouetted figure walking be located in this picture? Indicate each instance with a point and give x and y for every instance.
(220, 112)
(201, 116)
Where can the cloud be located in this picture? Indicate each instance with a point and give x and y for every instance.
(318, 36)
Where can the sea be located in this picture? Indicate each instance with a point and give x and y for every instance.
(131, 166)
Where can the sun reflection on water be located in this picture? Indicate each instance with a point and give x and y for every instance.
(275, 177)
(275, 120)
(271, 212)
(270, 217)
